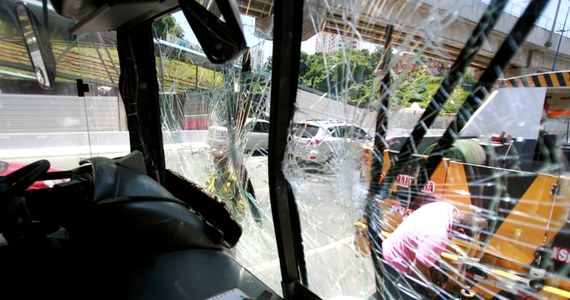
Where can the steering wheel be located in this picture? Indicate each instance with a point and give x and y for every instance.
(19, 180)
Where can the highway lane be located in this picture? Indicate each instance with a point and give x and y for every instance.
(328, 205)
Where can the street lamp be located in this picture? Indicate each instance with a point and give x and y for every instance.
(560, 40)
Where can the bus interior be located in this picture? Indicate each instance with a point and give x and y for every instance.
(252, 149)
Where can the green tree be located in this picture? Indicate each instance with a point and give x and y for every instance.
(346, 73)
(461, 92)
(304, 64)
(268, 65)
(421, 87)
(167, 25)
(416, 86)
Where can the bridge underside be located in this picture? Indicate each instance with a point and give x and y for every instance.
(369, 20)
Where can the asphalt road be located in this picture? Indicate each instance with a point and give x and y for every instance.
(328, 205)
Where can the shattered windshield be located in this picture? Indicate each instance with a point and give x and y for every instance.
(484, 214)
(216, 130)
(379, 84)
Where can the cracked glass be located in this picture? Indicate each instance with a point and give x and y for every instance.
(402, 189)
(427, 154)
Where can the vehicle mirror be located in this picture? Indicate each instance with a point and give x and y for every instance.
(221, 38)
(38, 44)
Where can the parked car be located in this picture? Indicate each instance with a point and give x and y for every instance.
(323, 143)
(256, 135)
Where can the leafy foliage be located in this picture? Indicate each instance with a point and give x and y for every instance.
(168, 26)
(348, 74)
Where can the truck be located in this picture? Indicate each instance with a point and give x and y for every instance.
(507, 166)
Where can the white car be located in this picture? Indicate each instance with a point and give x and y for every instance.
(322, 143)
(256, 136)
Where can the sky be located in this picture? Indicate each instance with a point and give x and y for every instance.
(249, 25)
(514, 7)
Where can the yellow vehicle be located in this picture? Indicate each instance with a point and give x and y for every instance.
(506, 169)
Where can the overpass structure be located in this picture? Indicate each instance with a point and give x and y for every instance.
(428, 26)
(412, 25)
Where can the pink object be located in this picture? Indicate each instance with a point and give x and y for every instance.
(423, 235)
(9, 167)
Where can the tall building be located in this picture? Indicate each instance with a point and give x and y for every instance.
(329, 42)
(257, 57)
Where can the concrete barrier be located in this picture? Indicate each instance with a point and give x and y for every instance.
(65, 150)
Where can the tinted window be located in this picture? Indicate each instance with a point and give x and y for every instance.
(356, 133)
(261, 127)
(305, 130)
(337, 131)
(349, 132)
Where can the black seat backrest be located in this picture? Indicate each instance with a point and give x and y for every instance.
(112, 179)
(133, 212)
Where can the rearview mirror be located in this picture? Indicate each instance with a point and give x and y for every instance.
(221, 38)
(38, 44)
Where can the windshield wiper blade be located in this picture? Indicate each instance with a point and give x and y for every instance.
(464, 59)
(474, 100)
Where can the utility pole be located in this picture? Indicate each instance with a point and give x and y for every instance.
(562, 31)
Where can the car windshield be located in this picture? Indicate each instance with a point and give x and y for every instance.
(423, 101)
(261, 127)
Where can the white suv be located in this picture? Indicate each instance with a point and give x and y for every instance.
(322, 143)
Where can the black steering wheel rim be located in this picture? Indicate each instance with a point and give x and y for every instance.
(19, 180)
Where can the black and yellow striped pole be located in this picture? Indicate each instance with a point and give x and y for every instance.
(548, 79)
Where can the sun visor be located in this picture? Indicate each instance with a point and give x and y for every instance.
(516, 111)
(221, 37)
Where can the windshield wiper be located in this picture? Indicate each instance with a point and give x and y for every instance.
(485, 83)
